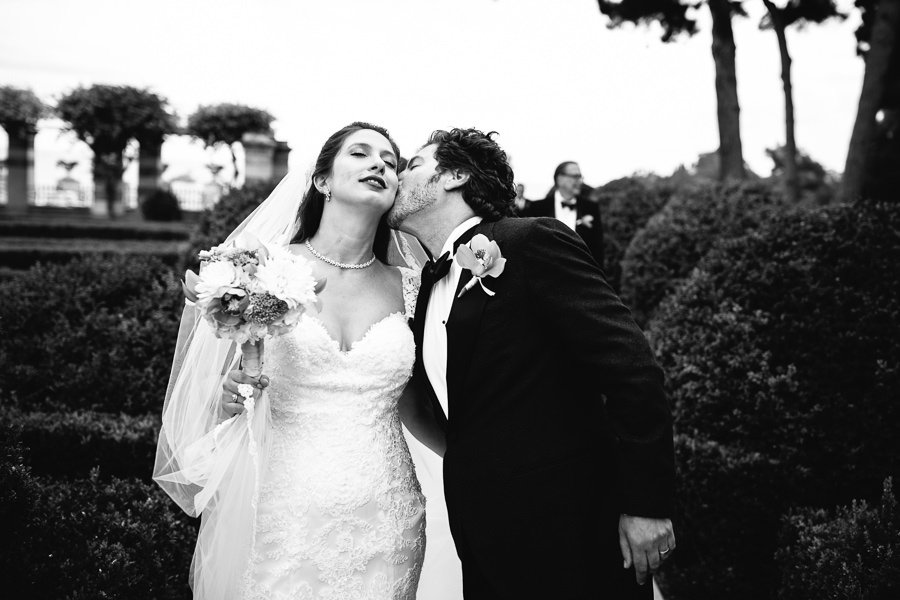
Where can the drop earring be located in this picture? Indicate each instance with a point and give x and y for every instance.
(327, 193)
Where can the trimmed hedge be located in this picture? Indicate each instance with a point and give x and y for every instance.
(97, 333)
(674, 240)
(783, 349)
(72, 443)
(220, 220)
(625, 205)
(851, 553)
(100, 229)
(23, 253)
(161, 205)
(89, 538)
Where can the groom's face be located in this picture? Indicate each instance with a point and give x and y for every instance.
(419, 187)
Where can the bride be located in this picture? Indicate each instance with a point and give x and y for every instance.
(315, 493)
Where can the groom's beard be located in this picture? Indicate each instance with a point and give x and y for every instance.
(409, 202)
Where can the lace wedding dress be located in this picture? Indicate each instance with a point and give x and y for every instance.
(340, 512)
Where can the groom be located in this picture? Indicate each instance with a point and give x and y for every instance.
(559, 469)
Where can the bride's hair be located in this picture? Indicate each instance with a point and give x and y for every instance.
(491, 188)
(310, 212)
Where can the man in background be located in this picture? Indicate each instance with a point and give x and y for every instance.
(569, 201)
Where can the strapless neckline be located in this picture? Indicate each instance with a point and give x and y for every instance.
(353, 346)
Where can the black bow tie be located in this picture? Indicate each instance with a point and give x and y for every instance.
(569, 204)
(437, 269)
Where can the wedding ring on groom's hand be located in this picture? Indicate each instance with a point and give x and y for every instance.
(664, 552)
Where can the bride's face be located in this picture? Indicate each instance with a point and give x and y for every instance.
(364, 170)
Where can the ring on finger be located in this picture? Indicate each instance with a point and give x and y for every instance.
(664, 552)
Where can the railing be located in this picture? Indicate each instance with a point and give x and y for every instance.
(192, 197)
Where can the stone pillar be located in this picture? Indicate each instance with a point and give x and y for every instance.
(20, 169)
(280, 166)
(149, 168)
(259, 156)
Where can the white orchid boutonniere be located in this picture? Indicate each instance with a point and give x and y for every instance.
(586, 220)
(482, 257)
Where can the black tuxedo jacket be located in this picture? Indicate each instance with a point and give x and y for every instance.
(590, 225)
(558, 421)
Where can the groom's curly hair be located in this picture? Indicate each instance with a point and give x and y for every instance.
(490, 189)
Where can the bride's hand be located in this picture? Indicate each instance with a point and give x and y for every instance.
(232, 401)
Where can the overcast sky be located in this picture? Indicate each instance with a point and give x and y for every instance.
(546, 74)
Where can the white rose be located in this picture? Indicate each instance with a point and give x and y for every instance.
(218, 278)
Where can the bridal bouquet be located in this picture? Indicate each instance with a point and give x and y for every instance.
(249, 292)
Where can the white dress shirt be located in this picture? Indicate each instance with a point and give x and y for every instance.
(564, 213)
(434, 338)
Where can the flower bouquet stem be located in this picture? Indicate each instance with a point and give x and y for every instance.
(252, 358)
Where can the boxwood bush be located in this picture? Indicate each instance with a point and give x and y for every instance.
(221, 219)
(625, 205)
(161, 205)
(61, 227)
(782, 348)
(96, 333)
(89, 538)
(668, 247)
(71, 443)
(23, 253)
(850, 553)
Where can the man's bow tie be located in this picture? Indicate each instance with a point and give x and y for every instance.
(437, 269)
(569, 204)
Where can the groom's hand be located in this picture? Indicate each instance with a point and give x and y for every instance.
(232, 401)
(645, 543)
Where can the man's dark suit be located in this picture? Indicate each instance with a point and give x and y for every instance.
(538, 468)
(589, 226)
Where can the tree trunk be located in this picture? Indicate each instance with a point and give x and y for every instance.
(234, 162)
(149, 168)
(791, 184)
(882, 43)
(108, 169)
(731, 158)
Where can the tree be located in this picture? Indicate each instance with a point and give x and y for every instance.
(20, 110)
(779, 18)
(875, 140)
(226, 124)
(672, 15)
(107, 118)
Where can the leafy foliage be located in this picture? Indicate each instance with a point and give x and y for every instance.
(781, 354)
(221, 219)
(89, 538)
(675, 239)
(161, 205)
(95, 333)
(20, 110)
(815, 184)
(850, 553)
(107, 117)
(68, 444)
(671, 14)
(626, 204)
(227, 123)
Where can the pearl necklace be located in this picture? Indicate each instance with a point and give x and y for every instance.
(337, 264)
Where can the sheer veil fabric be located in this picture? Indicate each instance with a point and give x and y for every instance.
(211, 465)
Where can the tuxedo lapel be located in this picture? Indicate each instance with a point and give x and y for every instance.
(463, 324)
(419, 331)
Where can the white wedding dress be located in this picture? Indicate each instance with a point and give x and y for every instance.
(340, 512)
